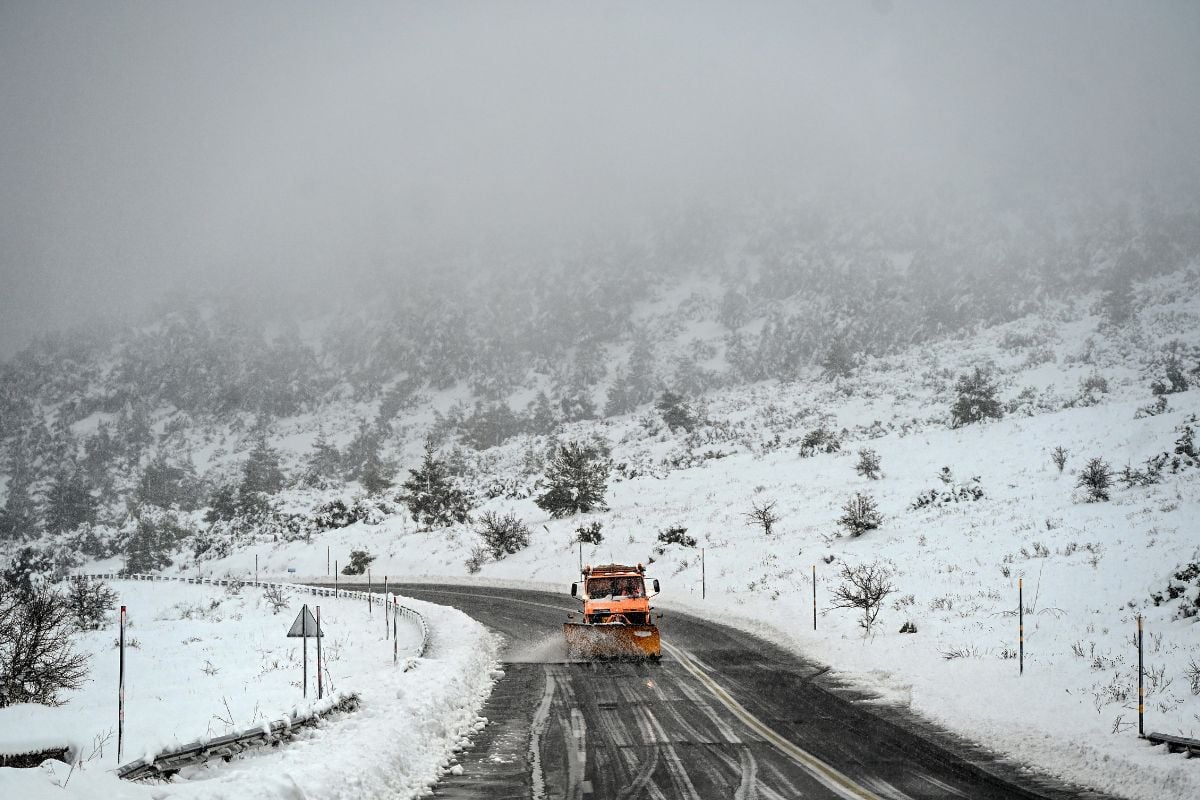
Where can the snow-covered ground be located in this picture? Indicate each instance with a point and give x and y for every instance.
(203, 662)
(1088, 568)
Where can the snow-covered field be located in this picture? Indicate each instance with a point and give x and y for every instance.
(203, 662)
(1089, 568)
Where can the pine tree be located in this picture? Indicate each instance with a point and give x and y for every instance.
(620, 398)
(324, 462)
(150, 544)
(976, 399)
(261, 472)
(163, 484)
(69, 503)
(19, 517)
(539, 415)
(377, 474)
(838, 361)
(365, 443)
(431, 495)
(577, 479)
(676, 411)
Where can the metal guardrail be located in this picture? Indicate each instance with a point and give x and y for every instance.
(271, 734)
(226, 747)
(320, 591)
(1175, 744)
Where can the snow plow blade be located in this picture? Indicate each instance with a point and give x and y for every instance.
(612, 640)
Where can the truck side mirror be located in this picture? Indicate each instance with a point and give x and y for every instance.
(574, 589)
(656, 589)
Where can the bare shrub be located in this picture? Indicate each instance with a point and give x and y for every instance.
(1059, 457)
(90, 601)
(479, 557)
(864, 587)
(276, 598)
(37, 661)
(1096, 479)
(762, 514)
(860, 514)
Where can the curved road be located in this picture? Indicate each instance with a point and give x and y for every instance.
(722, 715)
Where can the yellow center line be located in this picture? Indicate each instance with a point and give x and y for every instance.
(825, 774)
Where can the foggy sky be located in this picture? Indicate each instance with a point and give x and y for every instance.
(146, 146)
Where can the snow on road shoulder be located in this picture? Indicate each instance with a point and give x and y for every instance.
(205, 657)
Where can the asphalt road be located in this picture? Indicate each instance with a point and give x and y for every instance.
(722, 715)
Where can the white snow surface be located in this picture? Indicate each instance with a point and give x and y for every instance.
(207, 663)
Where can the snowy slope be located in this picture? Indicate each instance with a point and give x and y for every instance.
(207, 662)
(1088, 568)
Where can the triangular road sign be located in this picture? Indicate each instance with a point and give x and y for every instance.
(305, 624)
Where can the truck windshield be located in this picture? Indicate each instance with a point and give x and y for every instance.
(615, 587)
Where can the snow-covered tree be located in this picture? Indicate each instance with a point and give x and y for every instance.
(432, 496)
(323, 463)
(261, 472)
(976, 399)
(576, 481)
(69, 503)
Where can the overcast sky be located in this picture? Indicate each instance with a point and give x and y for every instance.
(150, 145)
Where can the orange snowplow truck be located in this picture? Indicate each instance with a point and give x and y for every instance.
(616, 615)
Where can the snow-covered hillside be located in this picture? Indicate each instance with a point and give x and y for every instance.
(1089, 568)
(967, 510)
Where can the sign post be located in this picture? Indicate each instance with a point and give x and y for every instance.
(305, 626)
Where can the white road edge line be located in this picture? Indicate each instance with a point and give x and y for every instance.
(828, 776)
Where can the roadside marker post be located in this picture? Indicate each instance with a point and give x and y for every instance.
(304, 628)
(1021, 624)
(370, 597)
(395, 642)
(320, 683)
(1141, 685)
(703, 588)
(385, 605)
(326, 561)
(121, 692)
(814, 597)
(256, 569)
(335, 594)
